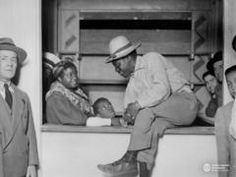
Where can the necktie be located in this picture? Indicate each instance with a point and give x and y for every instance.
(8, 96)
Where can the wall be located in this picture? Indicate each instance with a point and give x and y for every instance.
(77, 154)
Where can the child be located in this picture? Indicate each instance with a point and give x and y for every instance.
(226, 144)
(104, 114)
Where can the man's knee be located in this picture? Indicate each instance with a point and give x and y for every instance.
(144, 118)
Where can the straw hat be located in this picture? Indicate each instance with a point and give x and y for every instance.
(50, 59)
(8, 44)
(119, 47)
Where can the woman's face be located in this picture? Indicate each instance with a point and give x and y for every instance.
(69, 78)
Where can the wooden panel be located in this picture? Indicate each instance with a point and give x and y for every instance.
(49, 25)
(175, 5)
(198, 68)
(204, 97)
(163, 41)
(94, 68)
(135, 15)
(124, 130)
(68, 31)
(202, 32)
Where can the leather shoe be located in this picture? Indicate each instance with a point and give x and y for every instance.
(119, 168)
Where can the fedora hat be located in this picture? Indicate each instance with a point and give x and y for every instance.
(8, 44)
(120, 47)
(217, 57)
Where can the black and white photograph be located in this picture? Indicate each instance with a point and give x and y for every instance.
(126, 88)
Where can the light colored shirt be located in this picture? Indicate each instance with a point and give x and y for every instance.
(2, 89)
(232, 127)
(98, 121)
(153, 80)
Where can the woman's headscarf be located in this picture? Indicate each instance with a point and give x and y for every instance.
(61, 66)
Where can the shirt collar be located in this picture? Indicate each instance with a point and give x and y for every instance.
(138, 66)
(9, 85)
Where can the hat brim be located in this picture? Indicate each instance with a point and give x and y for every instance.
(21, 53)
(122, 53)
(210, 64)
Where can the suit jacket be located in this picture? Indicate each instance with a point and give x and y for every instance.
(18, 135)
(226, 145)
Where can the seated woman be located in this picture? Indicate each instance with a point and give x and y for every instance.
(66, 103)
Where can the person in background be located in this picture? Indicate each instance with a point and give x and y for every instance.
(49, 62)
(19, 145)
(104, 114)
(216, 66)
(232, 126)
(213, 88)
(234, 43)
(66, 103)
(157, 97)
(226, 144)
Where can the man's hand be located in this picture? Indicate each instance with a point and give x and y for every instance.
(31, 171)
(131, 112)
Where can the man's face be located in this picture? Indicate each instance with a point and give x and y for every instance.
(123, 66)
(231, 82)
(211, 83)
(69, 78)
(218, 70)
(106, 110)
(8, 64)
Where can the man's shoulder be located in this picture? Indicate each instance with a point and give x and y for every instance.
(152, 55)
(56, 95)
(19, 92)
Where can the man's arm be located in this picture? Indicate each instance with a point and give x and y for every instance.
(33, 151)
(222, 141)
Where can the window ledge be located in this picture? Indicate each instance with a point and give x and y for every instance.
(82, 129)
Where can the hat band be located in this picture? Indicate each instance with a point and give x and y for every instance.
(49, 62)
(122, 48)
(7, 43)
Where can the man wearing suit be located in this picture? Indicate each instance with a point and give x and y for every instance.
(19, 146)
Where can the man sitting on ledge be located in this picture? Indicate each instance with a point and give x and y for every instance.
(157, 97)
